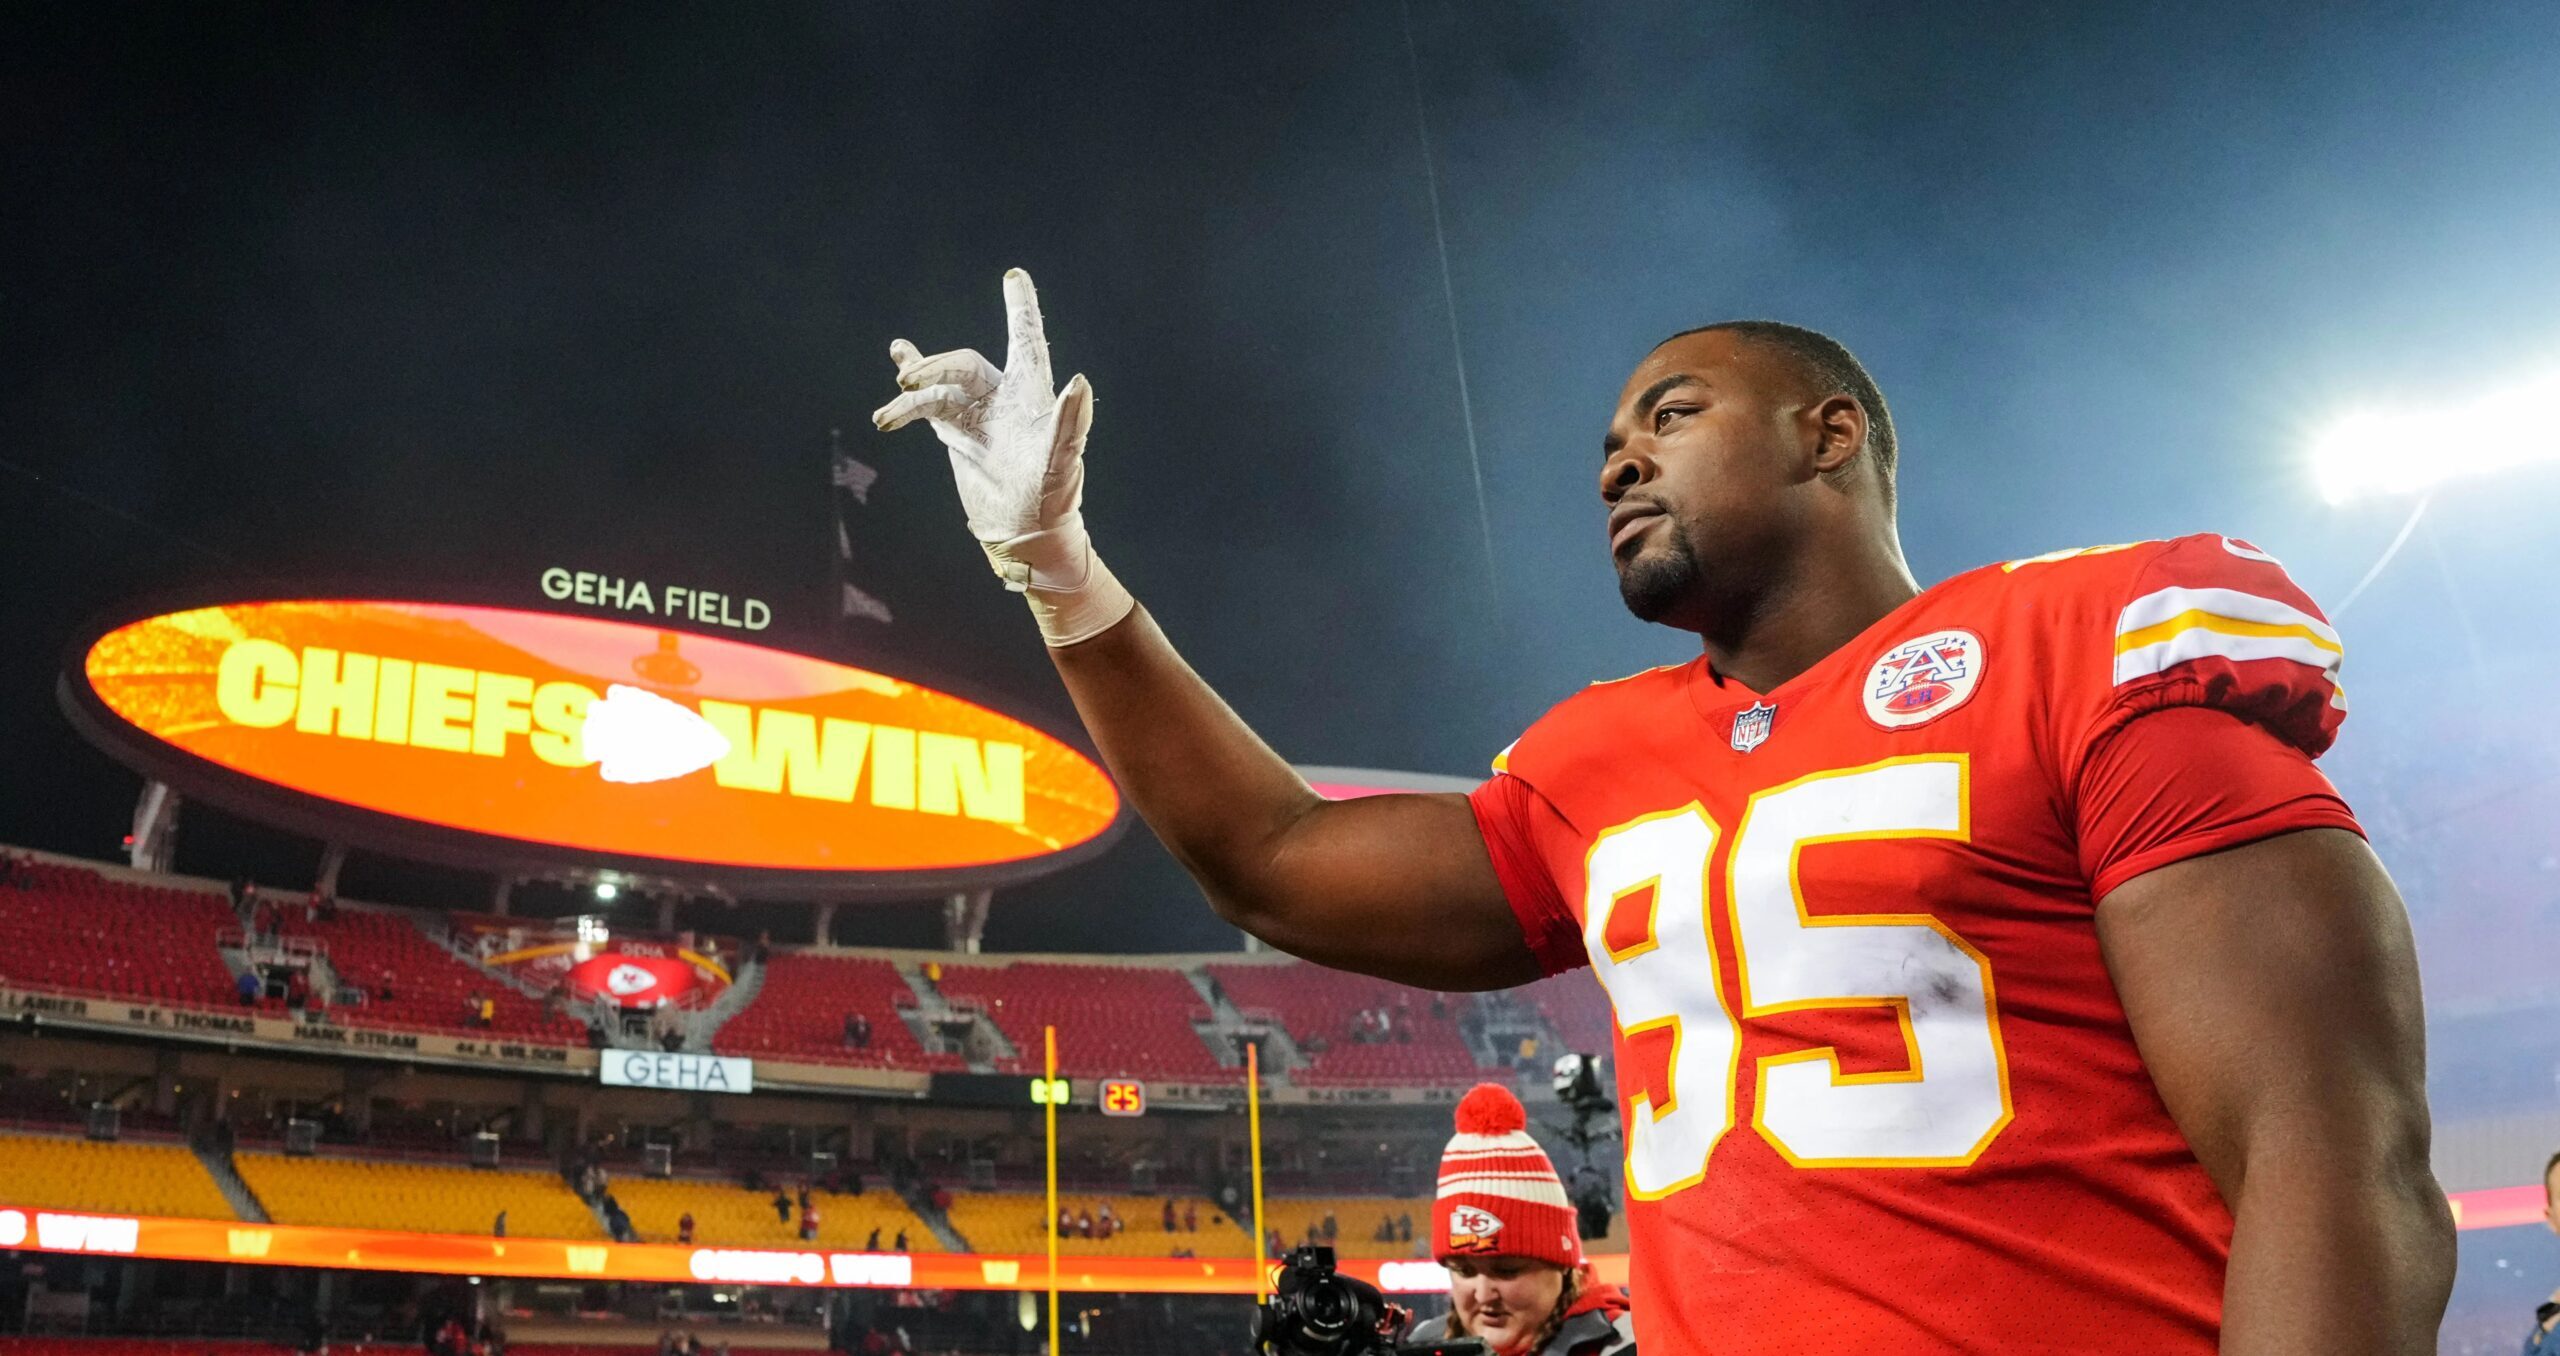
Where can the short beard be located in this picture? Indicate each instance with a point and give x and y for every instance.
(1656, 585)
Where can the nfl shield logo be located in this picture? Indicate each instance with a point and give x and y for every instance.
(1751, 728)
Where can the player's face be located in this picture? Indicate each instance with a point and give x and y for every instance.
(1699, 461)
(1503, 1299)
(2551, 1199)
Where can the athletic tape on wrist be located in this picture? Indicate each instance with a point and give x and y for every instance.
(1073, 595)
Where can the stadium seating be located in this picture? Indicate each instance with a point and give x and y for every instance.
(732, 1216)
(1311, 1001)
(142, 1346)
(1111, 1019)
(422, 1197)
(800, 1014)
(1012, 1222)
(1576, 1009)
(124, 1179)
(431, 987)
(1356, 1220)
(67, 928)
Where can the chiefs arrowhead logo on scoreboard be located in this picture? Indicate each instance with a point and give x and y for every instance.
(627, 980)
(1474, 1230)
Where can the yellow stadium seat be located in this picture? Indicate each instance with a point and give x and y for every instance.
(362, 1194)
(732, 1216)
(124, 1179)
(1013, 1222)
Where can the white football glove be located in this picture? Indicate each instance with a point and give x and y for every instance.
(1017, 451)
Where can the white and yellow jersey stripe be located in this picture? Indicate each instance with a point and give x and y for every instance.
(2168, 627)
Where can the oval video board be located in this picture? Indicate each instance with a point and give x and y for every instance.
(589, 740)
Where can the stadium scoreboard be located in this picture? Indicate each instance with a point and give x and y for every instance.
(483, 734)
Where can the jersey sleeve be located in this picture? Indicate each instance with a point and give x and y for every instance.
(2220, 687)
(2190, 780)
(2210, 621)
(1514, 819)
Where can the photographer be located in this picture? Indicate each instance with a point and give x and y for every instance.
(1504, 1228)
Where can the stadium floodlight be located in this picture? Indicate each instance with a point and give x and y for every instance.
(606, 890)
(2376, 452)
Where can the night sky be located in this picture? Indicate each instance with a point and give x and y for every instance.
(441, 296)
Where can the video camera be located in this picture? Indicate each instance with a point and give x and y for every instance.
(1316, 1311)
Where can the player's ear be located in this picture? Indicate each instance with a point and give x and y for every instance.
(1840, 431)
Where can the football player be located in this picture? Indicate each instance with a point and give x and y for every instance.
(1993, 971)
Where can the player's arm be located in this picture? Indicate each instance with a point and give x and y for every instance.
(2273, 990)
(1398, 886)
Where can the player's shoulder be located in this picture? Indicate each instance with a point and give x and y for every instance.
(2205, 619)
(2133, 585)
(1596, 714)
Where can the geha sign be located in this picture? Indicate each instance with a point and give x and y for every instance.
(603, 736)
(676, 1073)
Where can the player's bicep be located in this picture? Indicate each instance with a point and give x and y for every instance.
(1399, 886)
(2273, 991)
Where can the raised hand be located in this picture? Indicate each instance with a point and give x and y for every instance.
(1017, 454)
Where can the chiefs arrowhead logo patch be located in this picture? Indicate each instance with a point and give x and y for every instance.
(1924, 678)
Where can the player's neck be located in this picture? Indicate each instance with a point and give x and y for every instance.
(1807, 612)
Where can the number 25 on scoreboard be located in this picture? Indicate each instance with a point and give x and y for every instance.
(1645, 925)
(1123, 1097)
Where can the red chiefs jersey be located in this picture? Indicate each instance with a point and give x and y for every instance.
(1878, 1089)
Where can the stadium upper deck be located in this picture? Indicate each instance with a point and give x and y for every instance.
(71, 930)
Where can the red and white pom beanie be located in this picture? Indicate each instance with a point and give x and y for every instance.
(1499, 1196)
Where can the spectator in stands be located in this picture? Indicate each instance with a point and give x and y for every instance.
(1332, 1229)
(297, 989)
(872, 1243)
(250, 986)
(684, 1227)
(1272, 1246)
(901, 1242)
(498, 1226)
(781, 1205)
(1404, 1228)
(1190, 1217)
(382, 987)
(1169, 1219)
(1517, 1277)
(1084, 1224)
(808, 1219)
(1066, 1223)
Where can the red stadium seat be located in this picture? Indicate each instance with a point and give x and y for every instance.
(1111, 1019)
(800, 1014)
(75, 930)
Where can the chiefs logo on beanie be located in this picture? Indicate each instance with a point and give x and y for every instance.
(1499, 1196)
